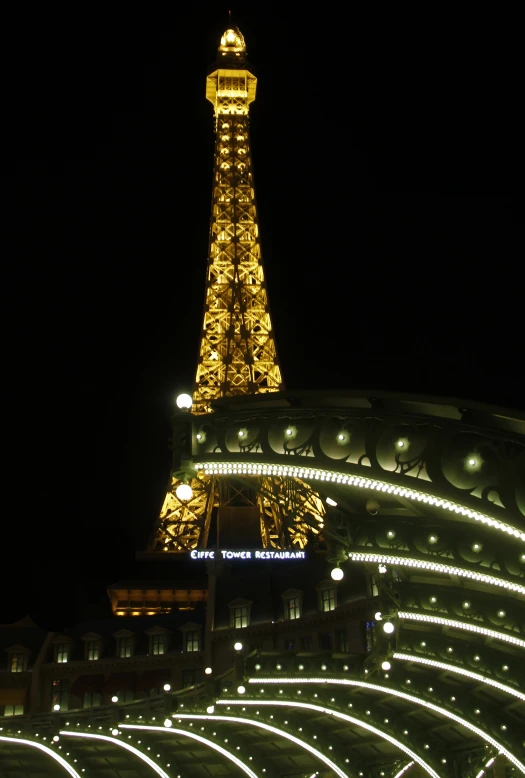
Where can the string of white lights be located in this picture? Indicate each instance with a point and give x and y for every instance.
(437, 567)
(344, 717)
(275, 730)
(461, 671)
(204, 740)
(49, 751)
(383, 690)
(316, 474)
(465, 625)
(121, 744)
(403, 770)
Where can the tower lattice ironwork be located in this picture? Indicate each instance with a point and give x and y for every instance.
(237, 352)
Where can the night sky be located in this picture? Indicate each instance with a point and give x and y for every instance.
(385, 151)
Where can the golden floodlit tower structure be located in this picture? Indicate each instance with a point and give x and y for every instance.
(237, 354)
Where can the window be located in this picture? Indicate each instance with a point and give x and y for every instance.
(61, 653)
(17, 663)
(92, 650)
(328, 600)
(91, 700)
(294, 608)
(60, 694)
(125, 648)
(293, 601)
(239, 613)
(342, 641)
(326, 641)
(191, 641)
(191, 677)
(240, 617)
(12, 710)
(157, 645)
(370, 635)
(307, 643)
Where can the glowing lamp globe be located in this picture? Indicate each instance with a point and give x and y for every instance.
(388, 627)
(210, 709)
(167, 687)
(114, 698)
(56, 707)
(237, 646)
(208, 670)
(184, 401)
(184, 492)
(241, 689)
(386, 666)
(337, 574)
(168, 722)
(378, 616)
(115, 732)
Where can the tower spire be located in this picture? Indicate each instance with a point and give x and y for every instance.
(237, 352)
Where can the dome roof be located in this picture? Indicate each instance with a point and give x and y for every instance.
(232, 41)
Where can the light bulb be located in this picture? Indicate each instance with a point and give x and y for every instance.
(388, 627)
(337, 574)
(184, 401)
(386, 666)
(237, 646)
(184, 492)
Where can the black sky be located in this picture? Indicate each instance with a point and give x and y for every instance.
(385, 153)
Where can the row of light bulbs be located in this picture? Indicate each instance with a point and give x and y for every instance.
(383, 689)
(305, 473)
(438, 567)
(462, 625)
(459, 671)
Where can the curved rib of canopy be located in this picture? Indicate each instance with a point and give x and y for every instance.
(121, 744)
(193, 735)
(45, 749)
(384, 690)
(268, 727)
(304, 744)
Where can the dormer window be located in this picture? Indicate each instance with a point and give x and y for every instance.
(327, 596)
(125, 643)
(158, 644)
(17, 663)
(125, 648)
(293, 604)
(191, 637)
(191, 641)
(92, 646)
(239, 613)
(61, 653)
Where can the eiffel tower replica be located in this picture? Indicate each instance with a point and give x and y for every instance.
(237, 354)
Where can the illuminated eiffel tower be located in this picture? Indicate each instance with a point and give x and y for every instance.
(237, 354)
